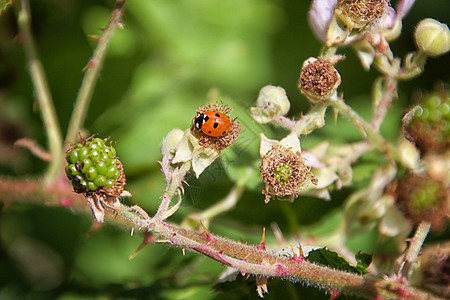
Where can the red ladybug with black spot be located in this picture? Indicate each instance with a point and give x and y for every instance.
(213, 123)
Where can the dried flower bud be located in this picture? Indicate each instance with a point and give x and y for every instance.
(318, 79)
(285, 173)
(272, 102)
(357, 14)
(432, 37)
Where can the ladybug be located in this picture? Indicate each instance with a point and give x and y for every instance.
(213, 123)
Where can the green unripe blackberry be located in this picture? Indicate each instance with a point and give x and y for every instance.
(429, 127)
(92, 165)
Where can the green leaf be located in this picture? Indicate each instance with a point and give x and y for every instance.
(326, 257)
(4, 4)
(363, 261)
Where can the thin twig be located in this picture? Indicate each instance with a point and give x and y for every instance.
(90, 78)
(42, 91)
(372, 135)
(414, 249)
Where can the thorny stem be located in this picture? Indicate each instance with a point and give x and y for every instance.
(414, 248)
(93, 69)
(175, 183)
(42, 90)
(313, 120)
(366, 129)
(246, 258)
(388, 88)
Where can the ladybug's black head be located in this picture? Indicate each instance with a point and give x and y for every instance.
(199, 121)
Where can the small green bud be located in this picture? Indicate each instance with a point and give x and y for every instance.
(95, 153)
(272, 101)
(71, 171)
(171, 141)
(112, 172)
(102, 168)
(85, 165)
(82, 153)
(100, 180)
(91, 186)
(73, 156)
(99, 142)
(91, 173)
(432, 37)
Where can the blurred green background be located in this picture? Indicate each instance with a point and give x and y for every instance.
(158, 70)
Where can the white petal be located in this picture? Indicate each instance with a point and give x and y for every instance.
(266, 144)
(312, 160)
(319, 17)
(325, 177)
(203, 158)
(184, 149)
(291, 140)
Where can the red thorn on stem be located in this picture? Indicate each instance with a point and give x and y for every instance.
(148, 238)
(262, 245)
(209, 236)
(295, 258)
(92, 63)
(65, 202)
(402, 292)
(334, 294)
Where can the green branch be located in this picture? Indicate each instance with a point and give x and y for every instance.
(90, 78)
(372, 135)
(42, 91)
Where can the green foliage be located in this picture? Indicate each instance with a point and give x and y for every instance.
(326, 257)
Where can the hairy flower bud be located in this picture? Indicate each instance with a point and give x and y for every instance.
(432, 271)
(318, 79)
(422, 198)
(432, 37)
(171, 141)
(428, 125)
(272, 101)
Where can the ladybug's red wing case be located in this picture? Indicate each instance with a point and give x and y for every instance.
(213, 123)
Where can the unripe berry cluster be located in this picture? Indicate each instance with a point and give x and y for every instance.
(92, 165)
